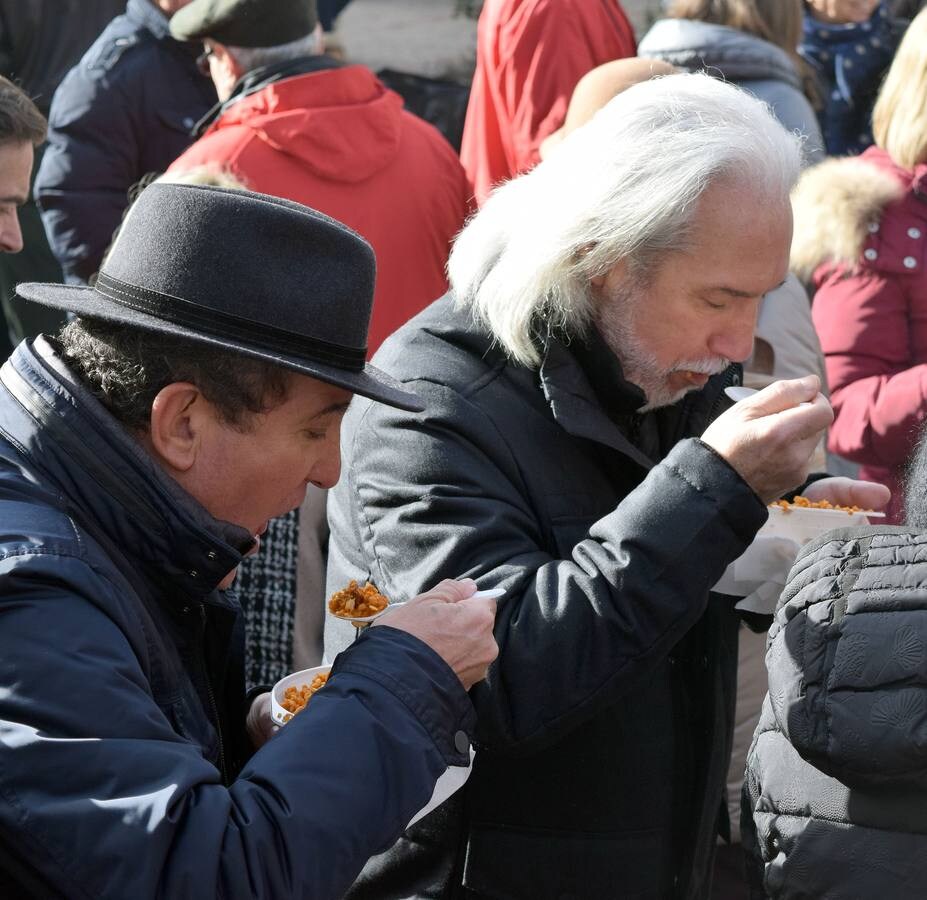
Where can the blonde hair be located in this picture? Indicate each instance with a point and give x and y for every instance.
(209, 174)
(899, 119)
(776, 21)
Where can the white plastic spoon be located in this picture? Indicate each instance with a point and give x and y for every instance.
(362, 621)
(738, 393)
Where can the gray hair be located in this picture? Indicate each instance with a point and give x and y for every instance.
(251, 58)
(625, 186)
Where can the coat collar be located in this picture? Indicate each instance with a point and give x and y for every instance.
(255, 81)
(574, 403)
(145, 14)
(577, 409)
(108, 482)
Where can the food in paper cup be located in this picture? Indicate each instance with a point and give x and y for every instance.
(800, 502)
(803, 519)
(291, 694)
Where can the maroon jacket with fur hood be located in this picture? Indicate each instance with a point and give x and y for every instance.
(861, 239)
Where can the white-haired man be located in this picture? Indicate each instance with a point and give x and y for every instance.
(598, 303)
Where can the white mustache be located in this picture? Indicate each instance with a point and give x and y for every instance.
(703, 366)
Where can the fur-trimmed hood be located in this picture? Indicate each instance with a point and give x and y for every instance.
(839, 204)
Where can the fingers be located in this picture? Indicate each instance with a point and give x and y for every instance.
(806, 422)
(850, 492)
(451, 591)
(782, 395)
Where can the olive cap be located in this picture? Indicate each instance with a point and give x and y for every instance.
(245, 23)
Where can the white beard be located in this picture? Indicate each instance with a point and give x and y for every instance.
(617, 323)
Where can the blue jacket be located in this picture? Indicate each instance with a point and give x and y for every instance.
(126, 109)
(124, 770)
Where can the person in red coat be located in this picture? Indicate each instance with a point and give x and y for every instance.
(530, 55)
(302, 126)
(861, 238)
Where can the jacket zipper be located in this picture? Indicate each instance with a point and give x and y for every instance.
(733, 376)
(211, 696)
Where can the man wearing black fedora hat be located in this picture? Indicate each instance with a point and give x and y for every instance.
(142, 453)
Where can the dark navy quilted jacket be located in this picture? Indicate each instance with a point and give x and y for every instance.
(124, 771)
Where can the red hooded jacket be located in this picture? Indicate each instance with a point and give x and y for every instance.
(861, 229)
(337, 140)
(530, 55)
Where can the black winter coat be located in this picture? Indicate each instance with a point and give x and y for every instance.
(604, 726)
(835, 798)
(125, 771)
(125, 110)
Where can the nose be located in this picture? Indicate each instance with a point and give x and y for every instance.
(326, 471)
(11, 235)
(735, 340)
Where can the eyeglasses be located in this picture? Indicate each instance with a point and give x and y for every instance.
(202, 61)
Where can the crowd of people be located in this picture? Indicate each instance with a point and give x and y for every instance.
(269, 334)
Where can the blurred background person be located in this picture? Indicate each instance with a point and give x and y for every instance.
(39, 41)
(849, 44)
(297, 124)
(22, 129)
(530, 55)
(752, 43)
(860, 237)
(127, 109)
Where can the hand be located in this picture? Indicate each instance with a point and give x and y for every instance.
(768, 438)
(259, 724)
(849, 492)
(457, 627)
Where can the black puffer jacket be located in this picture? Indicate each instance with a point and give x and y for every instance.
(837, 775)
(604, 726)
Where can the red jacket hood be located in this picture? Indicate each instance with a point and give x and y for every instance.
(342, 124)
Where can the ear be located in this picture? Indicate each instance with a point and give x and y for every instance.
(616, 272)
(180, 415)
(226, 62)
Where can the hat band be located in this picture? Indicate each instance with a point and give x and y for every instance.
(215, 323)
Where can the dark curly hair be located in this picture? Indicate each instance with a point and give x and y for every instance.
(126, 367)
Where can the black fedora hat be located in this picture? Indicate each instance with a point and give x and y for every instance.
(261, 276)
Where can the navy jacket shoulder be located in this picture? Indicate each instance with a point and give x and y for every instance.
(126, 109)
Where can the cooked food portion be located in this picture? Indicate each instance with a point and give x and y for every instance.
(804, 503)
(357, 602)
(296, 698)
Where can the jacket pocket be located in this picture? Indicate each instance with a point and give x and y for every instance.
(542, 864)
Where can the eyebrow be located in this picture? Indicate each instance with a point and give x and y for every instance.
(331, 410)
(735, 292)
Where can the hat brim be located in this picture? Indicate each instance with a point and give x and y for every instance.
(370, 382)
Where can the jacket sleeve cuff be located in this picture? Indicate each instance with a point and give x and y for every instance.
(712, 475)
(416, 675)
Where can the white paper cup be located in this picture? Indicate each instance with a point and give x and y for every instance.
(804, 523)
(296, 679)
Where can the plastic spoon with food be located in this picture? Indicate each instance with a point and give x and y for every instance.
(363, 605)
